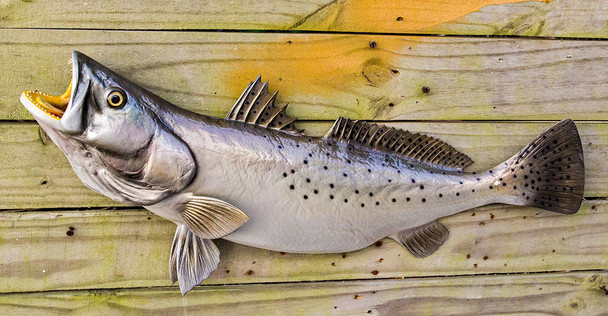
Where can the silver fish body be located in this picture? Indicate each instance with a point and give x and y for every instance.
(254, 179)
(313, 195)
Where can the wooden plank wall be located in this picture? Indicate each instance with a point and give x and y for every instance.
(500, 73)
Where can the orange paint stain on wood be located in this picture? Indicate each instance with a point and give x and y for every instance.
(396, 16)
(309, 69)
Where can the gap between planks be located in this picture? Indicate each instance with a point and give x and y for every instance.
(405, 279)
(287, 32)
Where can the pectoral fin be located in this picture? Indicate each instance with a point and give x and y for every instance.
(423, 240)
(192, 259)
(211, 218)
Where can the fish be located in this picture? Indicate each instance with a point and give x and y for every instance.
(254, 178)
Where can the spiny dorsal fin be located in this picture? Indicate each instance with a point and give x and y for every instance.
(423, 240)
(211, 218)
(256, 106)
(389, 139)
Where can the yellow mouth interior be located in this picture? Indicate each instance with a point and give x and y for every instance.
(54, 106)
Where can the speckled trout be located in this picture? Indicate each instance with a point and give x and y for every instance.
(254, 178)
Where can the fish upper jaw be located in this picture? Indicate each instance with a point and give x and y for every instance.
(63, 113)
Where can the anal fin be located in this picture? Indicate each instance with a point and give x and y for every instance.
(423, 240)
(210, 218)
(192, 259)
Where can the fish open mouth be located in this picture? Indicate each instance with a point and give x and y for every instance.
(52, 105)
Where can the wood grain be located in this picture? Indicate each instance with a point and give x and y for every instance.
(326, 76)
(103, 249)
(37, 174)
(561, 18)
(547, 294)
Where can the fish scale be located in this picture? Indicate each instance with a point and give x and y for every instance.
(254, 178)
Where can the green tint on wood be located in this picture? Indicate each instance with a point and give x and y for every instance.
(547, 294)
(36, 174)
(98, 249)
(494, 17)
(326, 76)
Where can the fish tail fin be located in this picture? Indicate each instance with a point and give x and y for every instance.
(549, 173)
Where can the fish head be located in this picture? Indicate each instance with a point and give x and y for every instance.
(110, 131)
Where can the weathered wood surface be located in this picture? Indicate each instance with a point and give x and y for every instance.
(325, 76)
(547, 294)
(73, 260)
(36, 174)
(562, 18)
(130, 248)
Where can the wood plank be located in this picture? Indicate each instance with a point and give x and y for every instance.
(325, 76)
(548, 294)
(130, 248)
(39, 175)
(479, 17)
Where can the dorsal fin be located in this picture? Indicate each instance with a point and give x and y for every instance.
(391, 140)
(256, 106)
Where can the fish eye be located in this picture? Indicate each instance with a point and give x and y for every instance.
(115, 98)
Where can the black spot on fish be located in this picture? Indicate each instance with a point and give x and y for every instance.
(356, 191)
(331, 197)
(423, 200)
(413, 181)
(345, 200)
(473, 190)
(292, 187)
(369, 170)
(377, 203)
(309, 154)
(460, 182)
(389, 180)
(307, 180)
(394, 200)
(293, 171)
(457, 193)
(280, 147)
(491, 187)
(306, 197)
(440, 195)
(331, 185)
(305, 161)
(371, 194)
(362, 205)
(284, 174)
(422, 187)
(344, 174)
(315, 191)
(325, 167)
